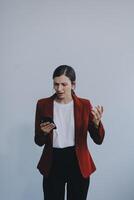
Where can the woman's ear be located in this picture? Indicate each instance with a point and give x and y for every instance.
(73, 85)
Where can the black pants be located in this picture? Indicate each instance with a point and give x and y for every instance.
(65, 170)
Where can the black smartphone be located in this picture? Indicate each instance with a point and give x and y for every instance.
(48, 119)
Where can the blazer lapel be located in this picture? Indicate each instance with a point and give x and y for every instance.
(49, 111)
(78, 110)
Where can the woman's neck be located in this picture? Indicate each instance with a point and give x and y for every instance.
(64, 100)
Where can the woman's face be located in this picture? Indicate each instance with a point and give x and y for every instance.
(63, 86)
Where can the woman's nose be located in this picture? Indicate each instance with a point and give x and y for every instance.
(59, 87)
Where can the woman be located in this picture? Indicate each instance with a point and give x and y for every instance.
(61, 125)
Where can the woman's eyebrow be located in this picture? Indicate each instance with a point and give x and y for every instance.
(60, 83)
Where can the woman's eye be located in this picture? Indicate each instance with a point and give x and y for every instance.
(55, 84)
(64, 84)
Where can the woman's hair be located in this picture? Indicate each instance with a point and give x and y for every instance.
(65, 70)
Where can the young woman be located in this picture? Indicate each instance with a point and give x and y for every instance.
(61, 125)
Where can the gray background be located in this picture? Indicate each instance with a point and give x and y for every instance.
(96, 38)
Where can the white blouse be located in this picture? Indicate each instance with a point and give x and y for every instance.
(64, 135)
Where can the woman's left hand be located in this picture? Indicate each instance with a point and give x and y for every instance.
(97, 113)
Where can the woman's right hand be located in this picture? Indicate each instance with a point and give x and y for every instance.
(47, 127)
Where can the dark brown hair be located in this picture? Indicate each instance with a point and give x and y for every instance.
(65, 70)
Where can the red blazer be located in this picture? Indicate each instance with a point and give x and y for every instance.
(83, 124)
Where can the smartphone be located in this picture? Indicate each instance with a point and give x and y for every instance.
(48, 119)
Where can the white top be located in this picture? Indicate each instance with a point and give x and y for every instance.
(64, 135)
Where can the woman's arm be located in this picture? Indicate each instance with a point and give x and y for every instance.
(39, 138)
(95, 125)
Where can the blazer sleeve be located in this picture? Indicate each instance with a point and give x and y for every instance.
(39, 138)
(96, 133)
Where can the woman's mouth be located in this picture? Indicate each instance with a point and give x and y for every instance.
(60, 93)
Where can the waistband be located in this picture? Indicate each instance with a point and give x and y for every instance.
(70, 148)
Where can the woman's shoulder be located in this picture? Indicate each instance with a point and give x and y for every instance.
(44, 100)
(84, 100)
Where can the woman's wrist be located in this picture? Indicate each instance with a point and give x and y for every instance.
(96, 124)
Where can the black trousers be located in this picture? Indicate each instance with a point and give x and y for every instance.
(65, 170)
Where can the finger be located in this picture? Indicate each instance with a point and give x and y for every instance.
(98, 109)
(102, 109)
(44, 123)
(94, 114)
(52, 125)
(47, 130)
(49, 126)
(97, 115)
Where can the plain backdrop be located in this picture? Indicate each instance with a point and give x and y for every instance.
(95, 37)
